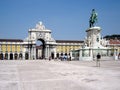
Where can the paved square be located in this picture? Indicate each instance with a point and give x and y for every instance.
(59, 75)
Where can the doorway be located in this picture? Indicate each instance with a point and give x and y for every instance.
(1, 56)
(26, 56)
(11, 56)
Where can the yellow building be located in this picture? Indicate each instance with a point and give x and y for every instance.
(65, 46)
(115, 44)
(11, 49)
(15, 48)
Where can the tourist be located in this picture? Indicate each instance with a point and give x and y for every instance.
(50, 58)
(98, 60)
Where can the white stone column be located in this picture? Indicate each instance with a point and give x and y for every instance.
(29, 52)
(23, 55)
(46, 52)
(34, 52)
(91, 53)
(3, 56)
(0, 48)
(115, 54)
(18, 56)
(80, 54)
(54, 54)
(70, 54)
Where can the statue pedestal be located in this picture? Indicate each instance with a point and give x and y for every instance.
(93, 36)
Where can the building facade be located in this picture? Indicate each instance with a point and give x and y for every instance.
(11, 49)
(64, 47)
(16, 49)
(114, 44)
(27, 49)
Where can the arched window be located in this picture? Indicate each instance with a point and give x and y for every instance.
(26, 56)
(16, 56)
(6, 56)
(11, 56)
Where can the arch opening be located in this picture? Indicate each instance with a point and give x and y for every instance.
(52, 55)
(1, 56)
(26, 56)
(11, 56)
(6, 56)
(40, 49)
(16, 56)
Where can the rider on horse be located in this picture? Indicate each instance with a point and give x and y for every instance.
(93, 18)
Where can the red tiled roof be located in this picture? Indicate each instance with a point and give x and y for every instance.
(11, 40)
(69, 41)
(116, 41)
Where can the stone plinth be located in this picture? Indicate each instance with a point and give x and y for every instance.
(93, 36)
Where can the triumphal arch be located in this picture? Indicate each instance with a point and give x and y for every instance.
(39, 33)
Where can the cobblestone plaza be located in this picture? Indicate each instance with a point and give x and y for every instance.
(59, 75)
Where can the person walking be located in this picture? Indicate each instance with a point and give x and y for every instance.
(50, 58)
(98, 60)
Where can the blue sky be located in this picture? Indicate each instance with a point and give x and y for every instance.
(68, 19)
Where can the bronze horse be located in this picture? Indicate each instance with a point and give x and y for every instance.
(93, 18)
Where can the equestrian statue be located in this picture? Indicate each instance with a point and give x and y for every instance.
(93, 18)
